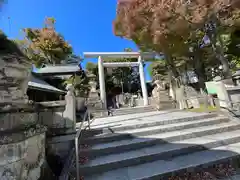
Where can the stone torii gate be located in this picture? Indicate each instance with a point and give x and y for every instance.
(102, 64)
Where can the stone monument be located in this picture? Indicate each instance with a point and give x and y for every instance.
(22, 140)
(192, 97)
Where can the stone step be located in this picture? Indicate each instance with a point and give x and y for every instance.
(103, 121)
(141, 120)
(161, 169)
(110, 134)
(119, 112)
(162, 129)
(133, 109)
(125, 111)
(172, 127)
(128, 141)
(158, 152)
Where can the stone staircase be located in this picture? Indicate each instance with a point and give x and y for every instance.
(167, 104)
(155, 145)
(133, 110)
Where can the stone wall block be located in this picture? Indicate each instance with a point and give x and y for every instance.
(58, 120)
(13, 120)
(22, 160)
(46, 118)
(15, 73)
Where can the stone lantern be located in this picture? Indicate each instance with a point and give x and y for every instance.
(22, 139)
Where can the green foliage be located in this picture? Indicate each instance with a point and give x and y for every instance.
(158, 67)
(234, 45)
(92, 68)
(115, 76)
(45, 45)
(233, 49)
(80, 83)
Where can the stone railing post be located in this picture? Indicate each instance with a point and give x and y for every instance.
(70, 110)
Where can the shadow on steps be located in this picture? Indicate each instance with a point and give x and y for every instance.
(134, 157)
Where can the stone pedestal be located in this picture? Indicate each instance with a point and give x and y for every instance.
(21, 158)
(22, 146)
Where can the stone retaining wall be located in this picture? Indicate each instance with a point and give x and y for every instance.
(55, 116)
(23, 160)
(14, 120)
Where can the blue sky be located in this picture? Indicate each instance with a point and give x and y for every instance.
(85, 24)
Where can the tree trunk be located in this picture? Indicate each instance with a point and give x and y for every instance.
(173, 75)
(199, 69)
(172, 66)
(223, 59)
(219, 53)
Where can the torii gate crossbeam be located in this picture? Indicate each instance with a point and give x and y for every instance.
(101, 65)
(121, 64)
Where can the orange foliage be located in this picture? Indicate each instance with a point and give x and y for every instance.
(156, 19)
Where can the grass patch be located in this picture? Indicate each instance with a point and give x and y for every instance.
(203, 109)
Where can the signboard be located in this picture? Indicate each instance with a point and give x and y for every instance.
(211, 87)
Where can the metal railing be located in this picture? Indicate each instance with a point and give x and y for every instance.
(77, 136)
(90, 107)
(87, 114)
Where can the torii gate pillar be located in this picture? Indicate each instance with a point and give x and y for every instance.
(102, 82)
(143, 82)
(101, 66)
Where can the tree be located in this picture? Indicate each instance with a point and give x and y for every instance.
(92, 68)
(157, 68)
(233, 49)
(45, 45)
(164, 26)
(80, 83)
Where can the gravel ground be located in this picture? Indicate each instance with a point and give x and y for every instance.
(224, 171)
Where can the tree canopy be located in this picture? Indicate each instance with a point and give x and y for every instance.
(45, 45)
(175, 26)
